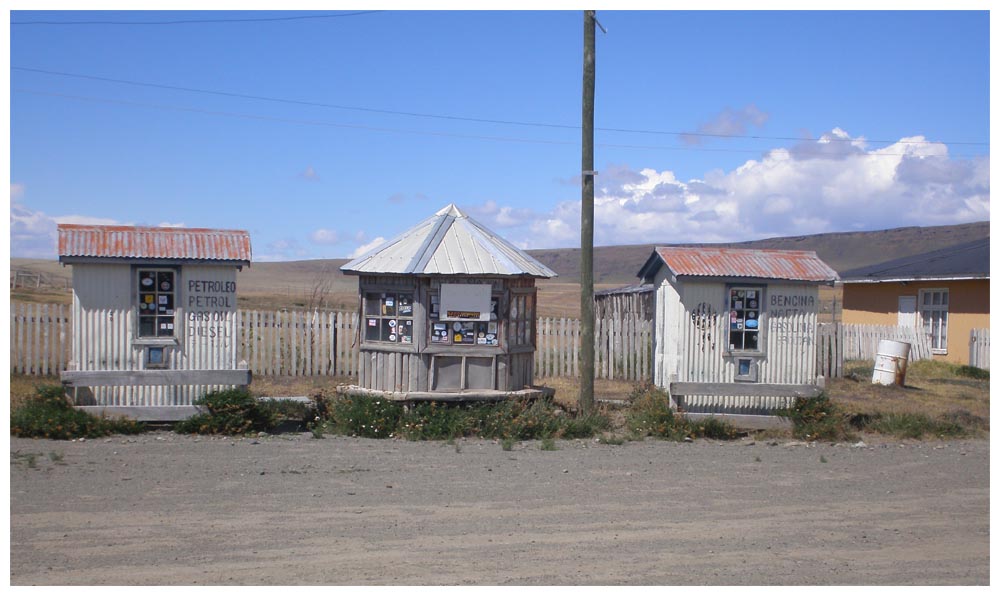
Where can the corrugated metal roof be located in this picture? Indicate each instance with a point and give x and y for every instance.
(448, 243)
(133, 242)
(793, 265)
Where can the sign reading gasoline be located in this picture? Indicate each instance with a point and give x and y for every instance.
(210, 304)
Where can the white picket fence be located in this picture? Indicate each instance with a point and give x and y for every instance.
(290, 343)
(861, 341)
(39, 338)
(296, 343)
(979, 348)
(623, 348)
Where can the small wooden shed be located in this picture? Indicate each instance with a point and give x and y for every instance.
(447, 312)
(154, 322)
(735, 329)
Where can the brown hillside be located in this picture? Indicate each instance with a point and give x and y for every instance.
(320, 284)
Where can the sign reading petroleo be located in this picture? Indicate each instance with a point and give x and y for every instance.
(209, 304)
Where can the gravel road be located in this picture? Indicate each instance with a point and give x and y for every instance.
(286, 509)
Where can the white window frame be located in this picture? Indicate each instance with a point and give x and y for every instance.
(758, 313)
(139, 300)
(929, 311)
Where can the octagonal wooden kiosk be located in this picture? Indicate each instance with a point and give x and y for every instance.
(447, 313)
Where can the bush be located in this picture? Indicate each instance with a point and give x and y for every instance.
(432, 420)
(49, 415)
(817, 418)
(364, 416)
(650, 414)
(230, 412)
(584, 425)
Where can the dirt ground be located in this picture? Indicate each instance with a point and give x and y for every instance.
(162, 508)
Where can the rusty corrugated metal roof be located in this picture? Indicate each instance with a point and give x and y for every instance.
(132, 242)
(792, 265)
(448, 243)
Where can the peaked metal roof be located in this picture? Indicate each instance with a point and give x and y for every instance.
(82, 242)
(792, 265)
(968, 260)
(448, 243)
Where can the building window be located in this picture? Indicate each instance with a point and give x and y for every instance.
(157, 296)
(522, 320)
(465, 333)
(934, 317)
(744, 305)
(389, 317)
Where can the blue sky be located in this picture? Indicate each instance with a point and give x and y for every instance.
(324, 136)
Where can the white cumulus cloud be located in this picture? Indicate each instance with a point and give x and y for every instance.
(324, 236)
(835, 183)
(366, 247)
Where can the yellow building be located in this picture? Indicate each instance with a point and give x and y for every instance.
(945, 292)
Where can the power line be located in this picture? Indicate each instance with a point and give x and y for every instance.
(305, 122)
(465, 118)
(201, 21)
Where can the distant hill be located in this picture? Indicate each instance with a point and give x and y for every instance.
(302, 283)
(840, 250)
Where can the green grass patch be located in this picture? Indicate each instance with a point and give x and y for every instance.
(49, 415)
(909, 425)
(818, 419)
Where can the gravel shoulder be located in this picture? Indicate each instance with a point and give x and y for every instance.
(167, 509)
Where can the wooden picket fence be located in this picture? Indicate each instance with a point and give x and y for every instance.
(623, 348)
(979, 348)
(39, 338)
(296, 343)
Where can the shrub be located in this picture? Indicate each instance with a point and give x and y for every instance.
(432, 420)
(230, 412)
(712, 428)
(650, 414)
(817, 418)
(584, 425)
(49, 415)
(364, 416)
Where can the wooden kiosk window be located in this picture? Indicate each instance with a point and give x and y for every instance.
(463, 333)
(156, 291)
(389, 317)
(744, 304)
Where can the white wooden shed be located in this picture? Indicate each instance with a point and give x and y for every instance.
(154, 322)
(735, 329)
(447, 312)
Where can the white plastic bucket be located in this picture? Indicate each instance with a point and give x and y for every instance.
(890, 362)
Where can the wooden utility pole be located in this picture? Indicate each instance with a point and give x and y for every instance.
(586, 402)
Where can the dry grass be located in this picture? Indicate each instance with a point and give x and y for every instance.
(932, 388)
(23, 387)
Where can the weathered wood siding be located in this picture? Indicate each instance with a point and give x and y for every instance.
(104, 333)
(979, 348)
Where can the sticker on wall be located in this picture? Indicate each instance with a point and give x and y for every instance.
(147, 298)
(165, 286)
(392, 323)
(458, 338)
(457, 326)
(392, 337)
(751, 304)
(147, 281)
(491, 328)
(373, 322)
(751, 323)
(163, 299)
